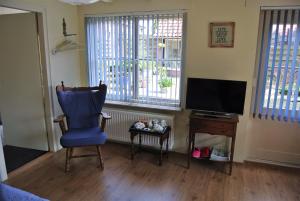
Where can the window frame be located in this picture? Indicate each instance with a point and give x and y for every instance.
(181, 90)
(258, 72)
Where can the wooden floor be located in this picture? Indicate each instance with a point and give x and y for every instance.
(142, 179)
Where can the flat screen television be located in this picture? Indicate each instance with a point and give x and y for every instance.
(216, 96)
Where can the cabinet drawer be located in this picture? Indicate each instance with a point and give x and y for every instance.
(212, 127)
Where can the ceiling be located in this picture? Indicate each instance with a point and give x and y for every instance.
(6, 11)
(82, 2)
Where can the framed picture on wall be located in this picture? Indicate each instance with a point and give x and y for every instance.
(221, 34)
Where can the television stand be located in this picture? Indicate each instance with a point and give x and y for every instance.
(213, 114)
(220, 125)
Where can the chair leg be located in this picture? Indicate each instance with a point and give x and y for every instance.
(71, 153)
(67, 165)
(100, 157)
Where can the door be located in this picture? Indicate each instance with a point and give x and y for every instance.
(21, 93)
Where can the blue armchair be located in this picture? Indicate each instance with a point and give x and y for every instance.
(9, 193)
(82, 108)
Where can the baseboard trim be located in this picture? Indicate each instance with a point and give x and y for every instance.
(272, 163)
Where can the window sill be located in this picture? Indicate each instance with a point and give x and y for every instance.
(139, 105)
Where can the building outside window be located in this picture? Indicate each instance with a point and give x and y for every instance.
(139, 57)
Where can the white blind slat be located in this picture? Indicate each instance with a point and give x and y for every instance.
(277, 90)
(136, 56)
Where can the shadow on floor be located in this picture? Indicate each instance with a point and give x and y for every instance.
(16, 157)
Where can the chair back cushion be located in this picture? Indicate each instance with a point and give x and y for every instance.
(82, 108)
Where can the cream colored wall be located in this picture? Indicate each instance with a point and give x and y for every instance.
(254, 137)
(62, 66)
(273, 142)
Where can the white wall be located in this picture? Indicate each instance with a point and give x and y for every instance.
(62, 66)
(255, 138)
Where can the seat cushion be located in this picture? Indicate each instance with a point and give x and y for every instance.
(83, 137)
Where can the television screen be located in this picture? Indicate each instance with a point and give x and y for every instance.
(221, 96)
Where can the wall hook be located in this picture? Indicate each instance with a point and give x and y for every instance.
(65, 29)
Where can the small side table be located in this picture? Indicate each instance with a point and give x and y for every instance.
(200, 123)
(162, 137)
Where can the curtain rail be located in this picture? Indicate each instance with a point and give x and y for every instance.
(138, 13)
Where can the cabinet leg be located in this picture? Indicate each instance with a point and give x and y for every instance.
(132, 146)
(161, 150)
(189, 151)
(140, 142)
(231, 155)
(167, 146)
(193, 143)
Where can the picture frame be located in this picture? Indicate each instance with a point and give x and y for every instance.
(221, 34)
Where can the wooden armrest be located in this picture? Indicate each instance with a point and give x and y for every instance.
(105, 115)
(60, 120)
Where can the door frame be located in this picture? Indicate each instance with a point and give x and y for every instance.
(3, 172)
(45, 70)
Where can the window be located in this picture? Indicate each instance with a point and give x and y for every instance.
(277, 90)
(139, 57)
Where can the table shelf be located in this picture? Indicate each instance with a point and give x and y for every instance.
(208, 160)
(164, 135)
(223, 126)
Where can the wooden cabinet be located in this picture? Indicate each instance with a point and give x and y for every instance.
(214, 125)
